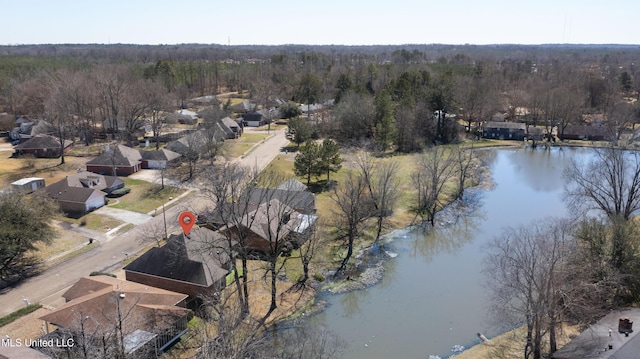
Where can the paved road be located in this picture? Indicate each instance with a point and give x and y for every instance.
(47, 287)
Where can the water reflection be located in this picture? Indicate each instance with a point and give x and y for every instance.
(456, 226)
(431, 296)
(539, 168)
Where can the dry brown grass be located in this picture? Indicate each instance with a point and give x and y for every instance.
(12, 169)
(510, 345)
(64, 241)
(27, 327)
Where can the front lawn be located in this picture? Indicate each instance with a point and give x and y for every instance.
(144, 196)
(93, 221)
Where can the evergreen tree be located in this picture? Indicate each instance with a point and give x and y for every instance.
(330, 160)
(307, 162)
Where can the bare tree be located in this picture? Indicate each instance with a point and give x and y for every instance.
(382, 184)
(464, 163)
(308, 342)
(158, 104)
(608, 182)
(225, 185)
(525, 274)
(353, 208)
(434, 169)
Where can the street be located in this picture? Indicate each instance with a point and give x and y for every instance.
(47, 287)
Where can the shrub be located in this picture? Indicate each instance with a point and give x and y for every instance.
(119, 192)
(19, 313)
(319, 277)
(93, 274)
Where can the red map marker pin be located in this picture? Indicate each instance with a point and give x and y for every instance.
(186, 220)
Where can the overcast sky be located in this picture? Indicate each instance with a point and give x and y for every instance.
(321, 22)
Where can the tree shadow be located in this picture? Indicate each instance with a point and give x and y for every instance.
(322, 186)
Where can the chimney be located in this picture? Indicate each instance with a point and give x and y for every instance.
(286, 216)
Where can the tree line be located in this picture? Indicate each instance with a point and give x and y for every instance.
(572, 270)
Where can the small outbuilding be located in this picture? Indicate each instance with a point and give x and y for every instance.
(28, 185)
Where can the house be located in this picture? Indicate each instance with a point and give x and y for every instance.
(195, 265)
(83, 192)
(272, 224)
(28, 185)
(504, 130)
(20, 352)
(26, 129)
(45, 146)
(196, 141)
(291, 192)
(235, 127)
(118, 160)
(611, 337)
(254, 119)
(301, 201)
(591, 132)
(158, 159)
(243, 107)
(311, 108)
(103, 309)
(184, 117)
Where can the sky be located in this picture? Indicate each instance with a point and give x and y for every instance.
(321, 22)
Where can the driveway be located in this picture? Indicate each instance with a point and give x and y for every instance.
(47, 287)
(123, 215)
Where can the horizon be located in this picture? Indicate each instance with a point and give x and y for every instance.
(329, 23)
(327, 45)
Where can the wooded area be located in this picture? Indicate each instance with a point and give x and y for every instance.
(385, 100)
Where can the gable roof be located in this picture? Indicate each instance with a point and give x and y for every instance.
(62, 192)
(118, 155)
(94, 302)
(274, 220)
(85, 179)
(254, 116)
(199, 258)
(301, 201)
(42, 142)
(292, 185)
(229, 122)
(244, 106)
(160, 155)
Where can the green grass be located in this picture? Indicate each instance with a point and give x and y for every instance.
(231, 276)
(9, 318)
(235, 150)
(251, 138)
(145, 196)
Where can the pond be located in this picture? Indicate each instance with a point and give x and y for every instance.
(432, 299)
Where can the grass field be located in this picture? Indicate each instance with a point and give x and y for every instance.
(144, 196)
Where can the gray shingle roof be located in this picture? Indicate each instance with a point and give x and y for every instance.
(118, 155)
(42, 142)
(198, 259)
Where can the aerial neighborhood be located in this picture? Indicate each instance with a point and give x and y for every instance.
(205, 201)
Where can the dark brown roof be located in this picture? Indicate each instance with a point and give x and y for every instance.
(62, 192)
(95, 302)
(200, 258)
(160, 155)
(42, 142)
(118, 155)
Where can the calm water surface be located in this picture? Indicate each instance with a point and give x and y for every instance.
(432, 297)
